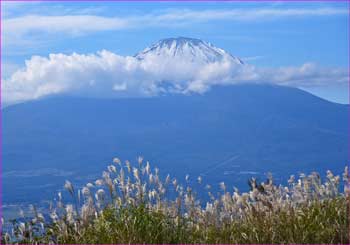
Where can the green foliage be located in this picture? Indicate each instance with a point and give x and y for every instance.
(138, 211)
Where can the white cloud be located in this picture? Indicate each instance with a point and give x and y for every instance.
(70, 24)
(247, 14)
(307, 75)
(107, 74)
(20, 29)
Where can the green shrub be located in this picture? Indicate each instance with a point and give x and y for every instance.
(132, 205)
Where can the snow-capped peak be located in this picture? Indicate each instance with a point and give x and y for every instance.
(186, 50)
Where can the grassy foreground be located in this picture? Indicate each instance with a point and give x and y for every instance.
(133, 205)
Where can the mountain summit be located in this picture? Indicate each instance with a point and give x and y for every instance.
(186, 49)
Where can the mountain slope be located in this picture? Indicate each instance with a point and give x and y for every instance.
(228, 133)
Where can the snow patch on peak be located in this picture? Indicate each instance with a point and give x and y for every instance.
(185, 50)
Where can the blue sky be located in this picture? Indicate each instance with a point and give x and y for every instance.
(266, 35)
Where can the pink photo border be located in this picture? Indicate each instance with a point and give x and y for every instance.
(216, 1)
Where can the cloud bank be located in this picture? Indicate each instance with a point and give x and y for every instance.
(106, 74)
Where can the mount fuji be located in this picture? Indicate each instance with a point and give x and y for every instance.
(229, 133)
(183, 49)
